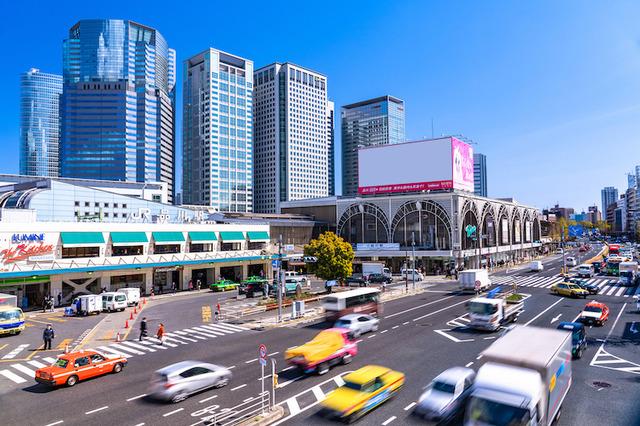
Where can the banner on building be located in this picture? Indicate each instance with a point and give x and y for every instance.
(505, 231)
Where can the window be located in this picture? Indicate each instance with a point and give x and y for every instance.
(97, 358)
(81, 362)
(96, 205)
(115, 205)
(106, 204)
(124, 206)
(77, 204)
(86, 204)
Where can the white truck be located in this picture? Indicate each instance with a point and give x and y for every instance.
(492, 312)
(536, 266)
(133, 295)
(628, 273)
(524, 378)
(87, 304)
(294, 275)
(474, 280)
(375, 268)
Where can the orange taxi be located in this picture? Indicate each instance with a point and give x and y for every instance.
(594, 313)
(72, 367)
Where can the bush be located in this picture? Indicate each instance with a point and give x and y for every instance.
(514, 297)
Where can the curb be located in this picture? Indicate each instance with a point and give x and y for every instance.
(275, 413)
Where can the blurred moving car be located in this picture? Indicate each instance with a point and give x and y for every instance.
(360, 281)
(568, 289)
(362, 391)
(592, 289)
(75, 366)
(411, 274)
(358, 323)
(380, 278)
(177, 382)
(582, 249)
(263, 287)
(578, 337)
(330, 347)
(446, 396)
(223, 285)
(594, 313)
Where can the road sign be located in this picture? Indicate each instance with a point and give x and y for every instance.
(478, 284)
(263, 355)
(275, 263)
(288, 247)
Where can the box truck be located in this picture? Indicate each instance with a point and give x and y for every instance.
(87, 304)
(524, 378)
(474, 280)
(375, 268)
(628, 273)
(492, 312)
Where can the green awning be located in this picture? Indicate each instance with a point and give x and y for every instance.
(168, 237)
(81, 239)
(232, 237)
(258, 236)
(128, 238)
(203, 237)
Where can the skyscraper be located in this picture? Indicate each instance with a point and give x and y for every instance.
(118, 103)
(378, 121)
(480, 174)
(331, 147)
(217, 131)
(291, 136)
(39, 123)
(609, 196)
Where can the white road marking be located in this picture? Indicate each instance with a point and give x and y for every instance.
(383, 331)
(294, 408)
(15, 352)
(49, 359)
(12, 376)
(543, 312)
(455, 339)
(469, 364)
(274, 353)
(409, 407)
(373, 335)
(184, 333)
(238, 387)
(317, 392)
(56, 423)
(137, 397)
(233, 366)
(113, 352)
(25, 370)
(36, 364)
(208, 399)
(97, 409)
(393, 328)
(140, 424)
(440, 310)
(490, 338)
(405, 323)
(180, 337)
(392, 418)
(172, 412)
(137, 346)
(248, 399)
(417, 307)
(287, 369)
(251, 360)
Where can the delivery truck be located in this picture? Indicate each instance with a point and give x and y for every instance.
(524, 378)
(474, 280)
(11, 317)
(497, 309)
(370, 268)
(87, 304)
(628, 273)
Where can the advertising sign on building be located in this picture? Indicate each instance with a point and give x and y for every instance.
(491, 239)
(527, 231)
(505, 231)
(435, 164)
(516, 224)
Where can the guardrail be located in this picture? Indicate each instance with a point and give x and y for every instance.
(213, 416)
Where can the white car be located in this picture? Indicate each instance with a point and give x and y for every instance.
(571, 261)
(446, 395)
(410, 274)
(358, 323)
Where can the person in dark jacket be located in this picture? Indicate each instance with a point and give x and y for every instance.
(143, 328)
(48, 335)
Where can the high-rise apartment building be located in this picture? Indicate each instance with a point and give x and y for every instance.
(40, 123)
(480, 175)
(118, 103)
(609, 196)
(331, 147)
(217, 131)
(378, 121)
(292, 140)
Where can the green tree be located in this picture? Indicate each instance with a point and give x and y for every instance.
(334, 257)
(603, 226)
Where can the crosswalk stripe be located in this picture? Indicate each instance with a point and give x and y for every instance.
(36, 364)
(219, 327)
(156, 346)
(12, 376)
(24, 369)
(136, 346)
(202, 331)
(237, 327)
(114, 352)
(49, 359)
(216, 332)
(183, 333)
(610, 292)
(622, 290)
(171, 336)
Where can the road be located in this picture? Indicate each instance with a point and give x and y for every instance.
(420, 335)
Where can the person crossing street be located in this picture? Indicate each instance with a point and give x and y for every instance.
(160, 334)
(143, 329)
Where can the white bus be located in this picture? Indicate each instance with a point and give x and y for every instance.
(360, 301)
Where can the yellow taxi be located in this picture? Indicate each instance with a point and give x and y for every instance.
(362, 391)
(568, 289)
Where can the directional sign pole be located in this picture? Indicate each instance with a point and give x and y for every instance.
(263, 361)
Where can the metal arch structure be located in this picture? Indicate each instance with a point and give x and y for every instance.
(469, 206)
(429, 206)
(504, 213)
(367, 209)
(516, 214)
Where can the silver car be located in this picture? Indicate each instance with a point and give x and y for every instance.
(177, 381)
(446, 395)
(358, 323)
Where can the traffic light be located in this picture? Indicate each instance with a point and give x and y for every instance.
(275, 381)
(309, 259)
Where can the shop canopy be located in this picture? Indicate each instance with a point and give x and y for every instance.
(232, 237)
(203, 237)
(168, 237)
(258, 236)
(81, 239)
(128, 238)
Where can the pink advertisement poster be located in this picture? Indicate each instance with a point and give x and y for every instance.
(462, 158)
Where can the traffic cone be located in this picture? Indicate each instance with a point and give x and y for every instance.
(131, 315)
(126, 325)
(144, 301)
(118, 337)
(66, 348)
(135, 311)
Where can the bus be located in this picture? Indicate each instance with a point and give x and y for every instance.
(360, 301)
(613, 265)
(614, 249)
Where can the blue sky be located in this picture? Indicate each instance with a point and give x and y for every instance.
(549, 90)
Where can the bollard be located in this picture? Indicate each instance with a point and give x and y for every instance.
(66, 348)
(118, 337)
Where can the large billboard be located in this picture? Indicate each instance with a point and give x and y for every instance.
(445, 163)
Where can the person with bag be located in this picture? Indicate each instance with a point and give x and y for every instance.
(160, 334)
(48, 335)
(143, 328)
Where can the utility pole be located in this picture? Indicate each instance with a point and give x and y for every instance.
(564, 259)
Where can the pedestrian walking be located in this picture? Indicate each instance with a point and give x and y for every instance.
(199, 284)
(59, 299)
(143, 329)
(173, 288)
(48, 335)
(160, 334)
(44, 304)
(52, 303)
(190, 285)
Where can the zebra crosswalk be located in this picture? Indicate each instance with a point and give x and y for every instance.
(608, 286)
(23, 371)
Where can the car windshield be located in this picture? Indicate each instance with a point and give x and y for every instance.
(494, 413)
(340, 323)
(10, 315)
(444, 387)
(354, 386)
(575, 336)
(482, 308)
(62, 363)
(593, 309)
(121, 298)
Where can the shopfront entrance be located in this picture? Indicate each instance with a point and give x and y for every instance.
(128, 281)
(205, 276)
(165, 278)
(233, 273)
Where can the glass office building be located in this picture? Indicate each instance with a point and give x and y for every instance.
(217, 150)
(117, 105)
(480, 174)
(39, 123)
(378, 121)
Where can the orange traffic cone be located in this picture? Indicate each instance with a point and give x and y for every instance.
(144, 301)
(131, 315)
(66, 348)
(118, 337)
(135, 311)
(126, 324)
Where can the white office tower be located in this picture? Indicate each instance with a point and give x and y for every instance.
(331, 140)
(217, 131)
(291, 141)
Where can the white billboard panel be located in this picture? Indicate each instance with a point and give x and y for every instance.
(416, 166)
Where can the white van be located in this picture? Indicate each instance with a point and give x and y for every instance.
(586, 270)
(559, 251)
(114, 301)
(133, 295)
(410, 274)
(536, 266)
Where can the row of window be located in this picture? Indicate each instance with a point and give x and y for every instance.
(96, 204)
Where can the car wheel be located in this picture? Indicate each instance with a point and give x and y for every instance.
(223, 382)
(109, 310)
(323, 368)
(579, 355)
(179, 397)
(375, 327)
(72, 380)
(222, 289)
(117, 368)
(357, 334)
(346, 359)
